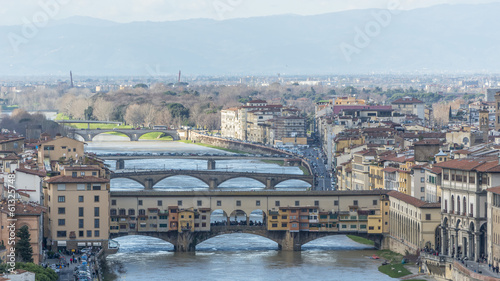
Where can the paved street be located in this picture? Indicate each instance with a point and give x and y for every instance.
(317, 161)
(66, 273)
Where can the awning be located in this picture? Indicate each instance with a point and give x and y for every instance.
(61, 243)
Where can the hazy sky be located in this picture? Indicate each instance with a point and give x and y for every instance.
(15, 12)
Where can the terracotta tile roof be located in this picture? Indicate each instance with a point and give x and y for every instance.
(11, 157)
(80, 168)
(412, 200)
(459, 164)
(23, 208)
(435, 170)
(69, 179)
(481, 165)
(416, 167)
(32, 172)
(428, 142)
(390, 169)
(366, 152)
(495, 189)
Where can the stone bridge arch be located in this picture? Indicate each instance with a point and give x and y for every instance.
(195, 176)
(232, 177)
(130, 178)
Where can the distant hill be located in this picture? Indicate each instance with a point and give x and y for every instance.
(444, 38)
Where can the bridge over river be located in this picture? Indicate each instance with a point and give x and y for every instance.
(291, 219)
(212, 178)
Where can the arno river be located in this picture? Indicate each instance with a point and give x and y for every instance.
(233, 256)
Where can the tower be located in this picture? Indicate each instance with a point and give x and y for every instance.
(484, 124)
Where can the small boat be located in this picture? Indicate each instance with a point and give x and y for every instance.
(375, 257)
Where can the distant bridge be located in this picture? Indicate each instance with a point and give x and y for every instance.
(134, 135)
(213, 179)
(211, 160)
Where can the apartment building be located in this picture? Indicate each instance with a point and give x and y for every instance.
(78, 207)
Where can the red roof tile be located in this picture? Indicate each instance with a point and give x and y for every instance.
(412, 200)
(69, 179)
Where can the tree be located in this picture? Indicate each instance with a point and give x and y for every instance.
(103, 110)
(134, 115)
(24, 251)
(149, 113)
(80, 107)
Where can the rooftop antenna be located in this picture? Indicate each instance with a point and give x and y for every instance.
(71, 78)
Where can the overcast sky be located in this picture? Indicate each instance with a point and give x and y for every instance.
(13, 12)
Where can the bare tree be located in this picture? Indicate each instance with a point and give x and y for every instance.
(163, 117)
(79, 107)
(134, 115)
(66, 104)
(103, 110)
(149, 113)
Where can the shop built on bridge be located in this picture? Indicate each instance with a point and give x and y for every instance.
(291, 219)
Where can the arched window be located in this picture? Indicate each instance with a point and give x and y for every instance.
(465, 206)
(452, 203)
(142, 212)
(458, 204)
(112, 212)
(131, 212)
(123, 212)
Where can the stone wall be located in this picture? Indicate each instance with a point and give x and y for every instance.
(398, 246)
(462, 273)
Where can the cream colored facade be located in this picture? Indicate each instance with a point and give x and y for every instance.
(376, 176)
(463, 205)
(414, 222)
(493, 240)
(60, 148)
(78, 207)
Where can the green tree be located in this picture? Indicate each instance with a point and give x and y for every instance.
(24, 251)
(89, 112)
(141, 85)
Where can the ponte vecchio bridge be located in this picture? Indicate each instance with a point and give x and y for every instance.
(291, 218)
(212, 178)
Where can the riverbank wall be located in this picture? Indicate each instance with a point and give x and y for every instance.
(446, 268)
(242, 146)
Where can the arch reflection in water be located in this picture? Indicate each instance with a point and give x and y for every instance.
(244, 257)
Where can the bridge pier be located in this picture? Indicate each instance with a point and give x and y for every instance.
(211, 164)
(270, 183)
(185, 242)
(290, 242)
(148, 184)
(133, 137)
(120, 164)
(212, 184)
